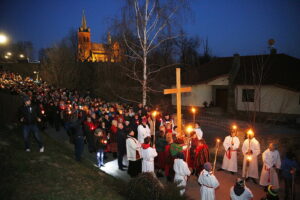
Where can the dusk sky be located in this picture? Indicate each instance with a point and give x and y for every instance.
(231, 26)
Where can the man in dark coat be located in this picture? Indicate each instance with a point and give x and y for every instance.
(121, 142)
(29, 116)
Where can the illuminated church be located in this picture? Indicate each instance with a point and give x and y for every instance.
(88, 51)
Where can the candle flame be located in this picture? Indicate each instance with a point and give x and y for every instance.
(250, 132)
(218, 140)
(234, 127)
(189, 129)
(154, 113)
(249, 157)
(193, 110)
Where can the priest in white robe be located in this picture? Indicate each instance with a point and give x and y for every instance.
(231, 145)
(182, 172)
(143, 131)
(271, 160)
(148, 155)
(250, 149)
(208, 183)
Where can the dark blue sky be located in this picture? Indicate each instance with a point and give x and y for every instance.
(231, 26)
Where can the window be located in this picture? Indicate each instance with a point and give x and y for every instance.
(248, 95)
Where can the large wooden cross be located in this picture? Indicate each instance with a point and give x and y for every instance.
(178, 90)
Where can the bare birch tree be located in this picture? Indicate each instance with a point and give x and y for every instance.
(151, 20)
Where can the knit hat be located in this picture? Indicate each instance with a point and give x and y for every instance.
(207, 166)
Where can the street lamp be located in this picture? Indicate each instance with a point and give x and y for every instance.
(3, 39)
(22, 56)
(8, 53)
(6, 57)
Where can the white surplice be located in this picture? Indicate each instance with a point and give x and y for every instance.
(148, 156)
(253, 165)
(208, 185)
(230, 156)
(246, 195)
(143, 132)
(182, 171)
(268, 173)
(199, 133)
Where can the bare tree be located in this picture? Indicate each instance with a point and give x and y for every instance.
(151, 20)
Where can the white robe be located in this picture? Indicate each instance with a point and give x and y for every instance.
(246, 195)
(253, 165)
(132, 145)
(143, 133)
(208, 185)
(182, 171)
(268, 173)
(230, 164)
(199, 133)
(148, 156)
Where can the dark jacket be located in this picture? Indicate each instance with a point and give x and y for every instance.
(121, 140)
(100, 142)
(29, 114)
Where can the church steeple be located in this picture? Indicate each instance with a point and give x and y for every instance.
(83, 23)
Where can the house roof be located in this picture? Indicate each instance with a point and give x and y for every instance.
(275, 69)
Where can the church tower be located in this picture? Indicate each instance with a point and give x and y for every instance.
(84, 41)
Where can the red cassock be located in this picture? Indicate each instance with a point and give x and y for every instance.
(169, 161)
(201, 157)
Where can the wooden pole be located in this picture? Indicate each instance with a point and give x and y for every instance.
(216, 154)
(178, 98)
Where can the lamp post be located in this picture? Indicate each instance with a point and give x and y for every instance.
(154, 114)
(193, 110)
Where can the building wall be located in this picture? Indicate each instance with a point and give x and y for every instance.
(200, 93)
(271, 100)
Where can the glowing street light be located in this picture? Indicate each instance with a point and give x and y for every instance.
(21, 55)
(3, 39)
(6, 57)
(8, 53)
(37, 75)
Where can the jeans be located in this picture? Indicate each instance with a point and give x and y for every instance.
(79, 147)
(26, 133)
(100, 157)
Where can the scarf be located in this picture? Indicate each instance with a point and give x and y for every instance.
(145, 146)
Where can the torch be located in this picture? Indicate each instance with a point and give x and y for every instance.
(189, 129)
(154, 113)
(216, 153)
(193, 110)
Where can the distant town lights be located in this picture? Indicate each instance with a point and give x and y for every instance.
(22, 56)
(8, 53)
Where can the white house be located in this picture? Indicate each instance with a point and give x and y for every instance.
(263, 83)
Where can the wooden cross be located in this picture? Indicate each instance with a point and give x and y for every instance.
(178, 90)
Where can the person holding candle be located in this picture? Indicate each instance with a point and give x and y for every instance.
(208, 183)
(231, 145)
(271, 160)
(143, 130)
(100, 145)
(250, 149)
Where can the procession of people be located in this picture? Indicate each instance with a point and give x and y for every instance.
(150, 142)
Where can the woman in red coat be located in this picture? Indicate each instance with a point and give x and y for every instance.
(201, 156)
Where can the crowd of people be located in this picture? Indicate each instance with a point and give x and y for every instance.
(150, 142)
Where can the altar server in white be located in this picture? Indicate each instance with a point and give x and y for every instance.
(182, 172)
(148, 155)
(271, 160)
(208, 183)
(251, 149)
(231, 145)
(143, 131)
